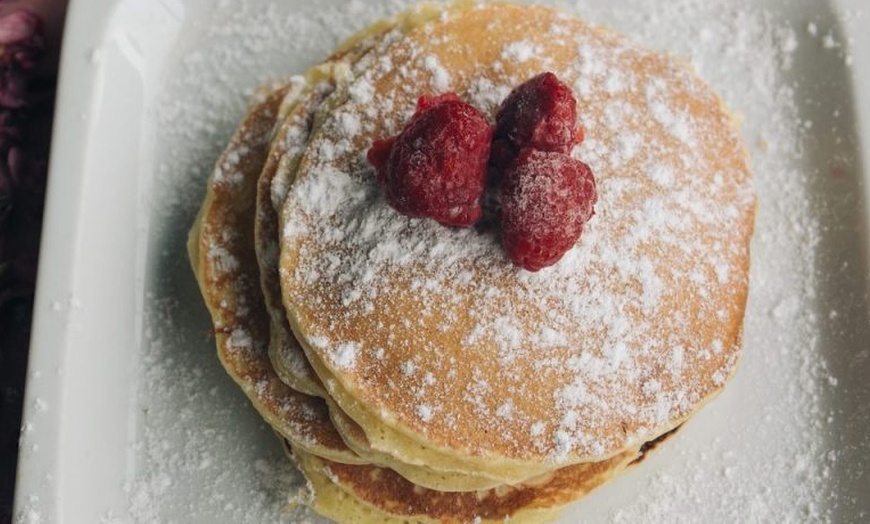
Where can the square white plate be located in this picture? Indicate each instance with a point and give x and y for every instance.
(129, 417)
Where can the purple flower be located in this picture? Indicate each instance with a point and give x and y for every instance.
(22, 177)
(21, 39)
(21, 46)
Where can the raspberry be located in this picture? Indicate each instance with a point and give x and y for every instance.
(546, 197)
(540, 113)
(436, 167)
(379, 153)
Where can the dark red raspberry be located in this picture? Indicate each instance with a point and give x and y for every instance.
(436, 167)
(540, 113)
(546, 197)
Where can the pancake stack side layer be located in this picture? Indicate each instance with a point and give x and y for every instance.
(412, 372)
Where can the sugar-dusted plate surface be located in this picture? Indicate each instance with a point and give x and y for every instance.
(130, 417)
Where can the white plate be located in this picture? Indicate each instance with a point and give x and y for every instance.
(129, 417)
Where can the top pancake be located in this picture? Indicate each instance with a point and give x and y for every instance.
(431, 332)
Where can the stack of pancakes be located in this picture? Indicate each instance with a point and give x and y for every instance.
(412, 371)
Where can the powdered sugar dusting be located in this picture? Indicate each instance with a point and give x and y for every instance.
(520, 51)
(345, 354)
(184, 437)
(425, 412)
(440, 76)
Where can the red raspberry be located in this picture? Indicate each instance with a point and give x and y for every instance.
(436, 167)
(546, 197)
(540, 113)
(379, 153)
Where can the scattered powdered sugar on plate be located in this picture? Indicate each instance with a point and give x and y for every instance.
(786, 441)
(201, 453)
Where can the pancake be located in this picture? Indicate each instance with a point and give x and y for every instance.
(364, 495)
(445, 354)
(415, 470)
